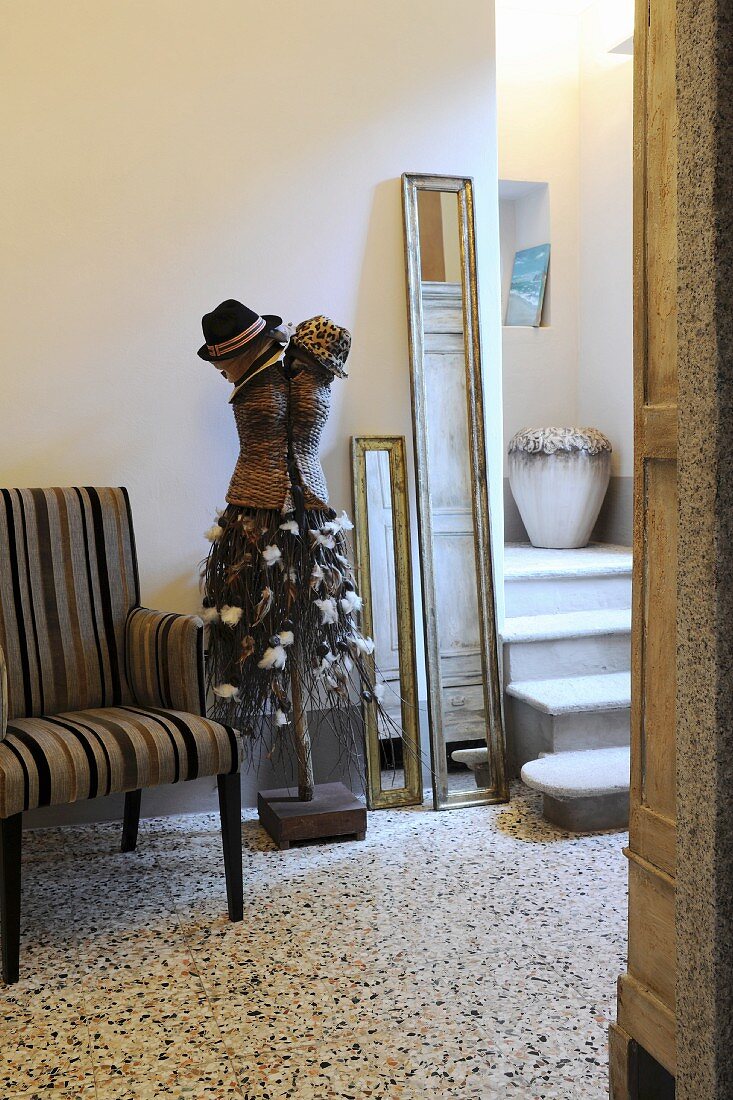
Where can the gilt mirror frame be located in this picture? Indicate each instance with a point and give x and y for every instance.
(411, 794)
(462, 187)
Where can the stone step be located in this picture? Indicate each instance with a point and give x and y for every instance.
(545, 595)
(583, 791)
(477, 760)
(538, 581)
(572, 643)
(574, 694)
(566, 714)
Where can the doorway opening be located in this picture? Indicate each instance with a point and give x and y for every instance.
(565, 109)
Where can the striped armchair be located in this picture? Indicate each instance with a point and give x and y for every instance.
(97, 694)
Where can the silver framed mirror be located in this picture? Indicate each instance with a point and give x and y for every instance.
(459, 616)
(384, 569)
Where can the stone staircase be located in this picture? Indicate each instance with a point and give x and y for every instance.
(567, 691)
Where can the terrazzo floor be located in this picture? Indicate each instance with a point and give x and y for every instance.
(471, 953)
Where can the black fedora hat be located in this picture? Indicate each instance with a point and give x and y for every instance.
(230, 327)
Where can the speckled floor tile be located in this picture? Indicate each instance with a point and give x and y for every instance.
(76, 1092)
(207, 1080)
(386, 1066)
(469, 954)
(138, 967)
(44, 1051)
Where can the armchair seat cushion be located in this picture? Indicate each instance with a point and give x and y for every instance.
(62, 758)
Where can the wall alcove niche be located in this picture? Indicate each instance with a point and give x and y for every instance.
(524, 221)
(527, 352)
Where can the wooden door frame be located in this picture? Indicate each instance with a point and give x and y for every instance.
(703, 738)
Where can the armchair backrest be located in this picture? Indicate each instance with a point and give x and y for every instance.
(68, 579)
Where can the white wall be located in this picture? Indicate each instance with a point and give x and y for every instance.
(565, 108)
(605, 377)
(538, 102)
(159, 157)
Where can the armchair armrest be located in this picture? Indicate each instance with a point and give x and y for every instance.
(164, 656)
(3, 694)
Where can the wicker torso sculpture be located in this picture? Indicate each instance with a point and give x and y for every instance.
(279, 597)
(285, 408)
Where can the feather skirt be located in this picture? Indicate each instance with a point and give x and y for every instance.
(280, 602)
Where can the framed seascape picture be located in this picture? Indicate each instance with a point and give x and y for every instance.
(527, 290)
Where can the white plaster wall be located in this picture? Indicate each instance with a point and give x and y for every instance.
(539, 139)
(605, 376)
(159, 157)
(565, 116)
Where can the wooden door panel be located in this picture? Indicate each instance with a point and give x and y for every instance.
(448, 449)
(646, 993)
(659, 650)
(454, 539)
(651, 930)
(661, 207)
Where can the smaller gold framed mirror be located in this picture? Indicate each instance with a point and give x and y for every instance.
(383, 560)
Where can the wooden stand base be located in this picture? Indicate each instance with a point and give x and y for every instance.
(334, 811)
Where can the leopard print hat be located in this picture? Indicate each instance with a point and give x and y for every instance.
(324, 341)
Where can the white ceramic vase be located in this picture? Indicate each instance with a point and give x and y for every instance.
(559, 477)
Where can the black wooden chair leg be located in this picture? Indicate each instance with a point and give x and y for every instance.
(230, 808)
(11, 829)
(131, 821)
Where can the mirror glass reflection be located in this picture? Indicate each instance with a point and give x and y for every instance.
(460, 624)
(383, 559)
(384, 603)
(457, 610)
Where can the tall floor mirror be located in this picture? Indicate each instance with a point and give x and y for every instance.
(464, 693)
(382, 544)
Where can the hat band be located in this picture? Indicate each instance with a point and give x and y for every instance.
(240, 341)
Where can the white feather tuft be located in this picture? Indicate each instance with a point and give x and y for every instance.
(210, 614)
(379, 690)
(281, 718)
(351, 602)
(271, 554)
(360, 646)
(230, 616)
(344, 522)
(226, 691)
(290, 525)
(214, 533)
(328, 610)
(286, 637)
(273, 657)
(323, 538)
